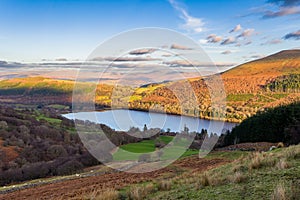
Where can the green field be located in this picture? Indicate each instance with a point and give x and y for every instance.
(132, 151)
(239, 97)
(279, 95)
(52, 121)
(145, 146)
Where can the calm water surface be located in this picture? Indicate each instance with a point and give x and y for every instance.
(124, 119)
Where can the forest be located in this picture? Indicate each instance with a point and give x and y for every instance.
(280, 124)
(41, 143)
(37, 143)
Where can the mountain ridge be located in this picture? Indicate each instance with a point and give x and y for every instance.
(282, 61)
(250, 88)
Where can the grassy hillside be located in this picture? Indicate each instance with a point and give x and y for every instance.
(250, 87)
(278, 64)
(148, 146)
(36, 86)
(267, 175)
(221, 175)
(272, 175)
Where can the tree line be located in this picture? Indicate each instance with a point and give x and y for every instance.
(280, 124)
(286, 83)
(33, 148)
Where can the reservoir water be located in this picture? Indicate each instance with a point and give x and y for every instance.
(124, 119)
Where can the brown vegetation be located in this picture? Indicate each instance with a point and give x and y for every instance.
(95, 185)
(244, 99)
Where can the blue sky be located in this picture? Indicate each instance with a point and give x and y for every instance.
(230, 31)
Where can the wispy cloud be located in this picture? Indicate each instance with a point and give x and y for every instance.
(124, 59)
(293, 35)
(229, 40)
(8, 65)
(141, 51)
(236, 28)
(61, 59)
(185, 63)
(213, 38)
(285, 2)
(271, 42)
(180, 47)
(192, 24)
(253, 57)
(246, 33)
(226, 52)
(283, 11)
(258, 56)
(276, 8)
(241, 39)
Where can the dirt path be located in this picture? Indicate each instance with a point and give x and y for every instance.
(76, 188)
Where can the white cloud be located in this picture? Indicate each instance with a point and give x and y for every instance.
(229, 40)
(180, 47)
(213, 38)
(226, 52)
(283, 11)
(141, 51)
(192, 24)
(246, 33)
(273, 41)
(124, 59)
(236, 28)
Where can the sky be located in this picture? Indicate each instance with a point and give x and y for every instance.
(229, 31)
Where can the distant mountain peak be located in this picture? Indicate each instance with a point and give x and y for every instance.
(284, 54)
(280, 63)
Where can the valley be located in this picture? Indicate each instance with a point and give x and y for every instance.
(254, 92)
(43, 155)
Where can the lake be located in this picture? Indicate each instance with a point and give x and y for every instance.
(124, 119)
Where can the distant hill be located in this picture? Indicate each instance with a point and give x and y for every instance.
(281, 63)
(250, 87)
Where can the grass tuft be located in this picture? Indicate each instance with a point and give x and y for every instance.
(205, 181)
(279, 193)
(164, 185)
(109, 194)
(140, 192)
(238, 177)
(282, 164)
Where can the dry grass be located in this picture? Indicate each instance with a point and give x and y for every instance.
(295, 190)
(259, 160)
(164, 185)
(256, 161)
(282, 164)
(292, 152)
(240, 172)
(205, 180)
(279, 193)
(239, 167)
(238, 177)
(109, 194)
(140, 192)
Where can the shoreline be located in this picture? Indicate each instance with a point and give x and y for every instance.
(174, 114)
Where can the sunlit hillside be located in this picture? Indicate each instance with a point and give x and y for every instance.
(250, 87)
